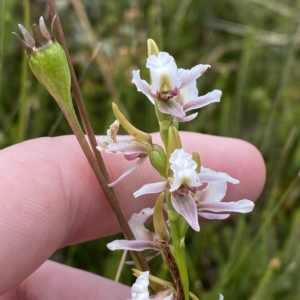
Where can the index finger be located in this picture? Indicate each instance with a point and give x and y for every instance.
(50, 197)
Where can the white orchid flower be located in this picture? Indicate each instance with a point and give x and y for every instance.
(174, 88)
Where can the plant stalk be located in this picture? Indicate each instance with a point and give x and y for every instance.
(93, 155)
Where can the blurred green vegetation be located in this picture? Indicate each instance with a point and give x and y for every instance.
(253, 48)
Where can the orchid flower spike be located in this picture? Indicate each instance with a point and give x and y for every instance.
(174, 88)
(187, 197)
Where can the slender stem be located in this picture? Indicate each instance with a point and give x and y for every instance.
(121, 265)
(75, 88)
(94, 157)
(164, 124)
(70, 115)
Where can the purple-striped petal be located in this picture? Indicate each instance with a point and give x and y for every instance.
(211, 216)
(201, 101)
(186, 206)
(190, 75)
(171, 107)
(214, 192)
(131, 245)
(129, 171)
(208, 175)
(151, 188)
(142, 85)
(188, 118)
(241, 206)
(170, 297)
(136, 223)
(125, 145)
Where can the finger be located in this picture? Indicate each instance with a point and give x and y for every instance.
(56, 281)
(51, 198)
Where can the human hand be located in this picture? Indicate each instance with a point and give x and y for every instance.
(50, 198)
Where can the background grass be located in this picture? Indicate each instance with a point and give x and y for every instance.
(253, 47)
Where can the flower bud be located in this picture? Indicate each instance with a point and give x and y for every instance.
(160, 225)
(48, 62)
(152, 47)
(197, 159)
(174, 140)
(158, 160)
(133, 131)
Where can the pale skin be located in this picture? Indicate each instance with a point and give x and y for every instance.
(50, 198)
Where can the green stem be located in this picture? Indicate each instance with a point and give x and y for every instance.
(179, 246)
(164, 124)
